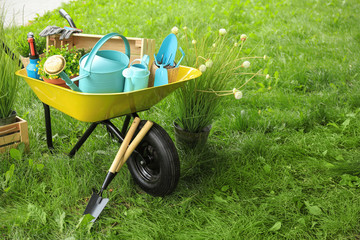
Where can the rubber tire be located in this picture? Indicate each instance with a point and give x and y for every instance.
(160, 174)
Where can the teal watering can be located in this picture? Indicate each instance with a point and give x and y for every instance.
(137, 75)
(100, 71)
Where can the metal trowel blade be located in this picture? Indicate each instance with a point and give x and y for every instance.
(95, 206)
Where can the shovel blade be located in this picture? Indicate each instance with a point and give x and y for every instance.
(95, 206)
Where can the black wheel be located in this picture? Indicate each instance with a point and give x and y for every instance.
(156, 167)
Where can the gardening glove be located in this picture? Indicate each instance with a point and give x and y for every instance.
(68, 31)
(51, 30)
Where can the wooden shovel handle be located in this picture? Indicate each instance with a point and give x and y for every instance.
(135, 143)
(124, 145)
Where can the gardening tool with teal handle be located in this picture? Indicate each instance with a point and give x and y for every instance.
(167, 51)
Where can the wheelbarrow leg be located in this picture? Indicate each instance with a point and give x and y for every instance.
(114, 131)
(126, 124)
(83, 138)
(48, 127)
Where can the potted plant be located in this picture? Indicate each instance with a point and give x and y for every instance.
(72, 57)
(13, 129)
(220, 59)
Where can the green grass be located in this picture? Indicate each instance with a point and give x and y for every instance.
(270, 157)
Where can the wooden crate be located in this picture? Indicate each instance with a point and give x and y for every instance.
(138, 46)
(13, 134)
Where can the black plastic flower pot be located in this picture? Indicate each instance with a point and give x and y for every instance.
(190, 140)
(8, 120)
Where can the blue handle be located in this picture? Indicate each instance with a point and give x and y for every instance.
(99, 44)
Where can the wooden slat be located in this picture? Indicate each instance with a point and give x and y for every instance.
(4, 149)
(15, 133)
(14, 137)
(10, 128)
(138, 46)
(24, 134)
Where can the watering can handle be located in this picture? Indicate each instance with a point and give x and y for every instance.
(99, 44)
(144, 61)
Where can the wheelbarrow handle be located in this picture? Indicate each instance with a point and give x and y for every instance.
(124, 145)
(65, 15)
(125, 151)
(135, 143)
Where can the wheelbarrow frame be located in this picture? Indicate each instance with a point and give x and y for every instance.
(112, 129)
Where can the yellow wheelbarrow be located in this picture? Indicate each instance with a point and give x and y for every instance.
(154, 164)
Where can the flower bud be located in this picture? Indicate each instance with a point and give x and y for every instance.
(222, 31)
(267, 76)
(243, 37)
(236, 44)
(185, 28)
(175, 30)
(193, 41)
(238, 95)
(245, 64)
(214, 45)
(209, 63)
(202, 68)
(265, 57)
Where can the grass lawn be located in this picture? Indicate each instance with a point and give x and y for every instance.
(269, 170)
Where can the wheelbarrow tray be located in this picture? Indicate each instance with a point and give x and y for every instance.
(95, 107)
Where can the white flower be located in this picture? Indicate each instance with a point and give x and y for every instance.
(267, 76)
(236, 44)
(265, 57)
(243, 37)
(234, 90)
(238, 95)
(194, 41)
(222, 31)
(209, 63)
(175, 30)
(202, 68)
(245, 64)
(185, 28)
(214, 45)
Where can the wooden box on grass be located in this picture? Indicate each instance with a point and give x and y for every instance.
(13, 134)
(138, 46)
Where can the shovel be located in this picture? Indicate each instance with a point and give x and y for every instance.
(97, 203)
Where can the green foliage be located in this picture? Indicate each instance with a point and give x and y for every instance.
(8, 175)
(219, 59)
(8, 79)
(22, 45)
(287, 167)
(72, 57)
